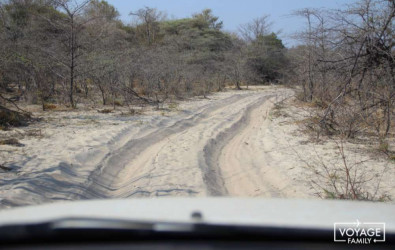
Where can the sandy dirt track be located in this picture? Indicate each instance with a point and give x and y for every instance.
(180, 159)
(179, 156)
(227, 145)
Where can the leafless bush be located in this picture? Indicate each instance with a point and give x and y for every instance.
(345, 178)
(10, 117)
(346, 67)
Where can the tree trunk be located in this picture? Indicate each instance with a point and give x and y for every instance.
(238, 85)
(72, 63)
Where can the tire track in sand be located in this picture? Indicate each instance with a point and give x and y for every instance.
(246, 169)
(165, 162)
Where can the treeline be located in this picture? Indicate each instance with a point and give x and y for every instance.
(63, 52)
(345, 65)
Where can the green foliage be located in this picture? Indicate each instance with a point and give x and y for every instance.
(206, 20)
(176, 27)
(200, 34)
(99, 8)
(271, 42)
(267, 58)
(51, 53)
(18, 13)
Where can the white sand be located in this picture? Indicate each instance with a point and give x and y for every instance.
(227, 145)
(270, 158)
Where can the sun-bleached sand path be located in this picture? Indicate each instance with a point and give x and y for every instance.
(226, 145)
(181, 159)
(249, 167)
(177, 156)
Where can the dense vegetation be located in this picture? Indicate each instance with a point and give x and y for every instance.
(57, 52)
(346, 67)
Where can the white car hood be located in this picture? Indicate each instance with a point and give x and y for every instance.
(320, 214)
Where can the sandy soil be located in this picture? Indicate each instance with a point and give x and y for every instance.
(231, 144)
(273, 156)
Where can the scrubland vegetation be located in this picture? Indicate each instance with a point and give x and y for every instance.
(346, 68)
(76, 54)
(60, 52)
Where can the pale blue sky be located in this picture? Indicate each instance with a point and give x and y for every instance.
(234, 12)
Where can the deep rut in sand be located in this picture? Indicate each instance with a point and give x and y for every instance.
(187, 157)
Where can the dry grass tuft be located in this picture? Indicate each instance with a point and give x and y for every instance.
(11, 142)
(118, 103)
(347, 179)
(105, 111)
(34, 133)
(49, 106)
(10, 118)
